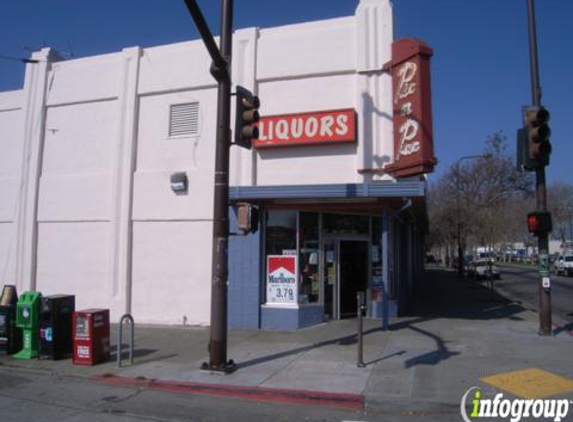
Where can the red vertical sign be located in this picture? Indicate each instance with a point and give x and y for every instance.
(412, 104)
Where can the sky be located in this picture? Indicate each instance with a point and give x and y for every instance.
(480, 68)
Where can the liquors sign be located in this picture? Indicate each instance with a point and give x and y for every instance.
(312, 128)
(413, 141)
(282, 279)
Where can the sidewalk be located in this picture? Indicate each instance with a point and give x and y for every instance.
(453, 336)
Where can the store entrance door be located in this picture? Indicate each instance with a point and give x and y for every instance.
(345, 269)
(353, 274)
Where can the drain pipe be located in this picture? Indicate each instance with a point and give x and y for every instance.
(407, 204)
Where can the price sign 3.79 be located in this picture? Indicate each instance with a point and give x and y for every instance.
(281, 279)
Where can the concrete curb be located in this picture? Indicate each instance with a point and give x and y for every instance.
(317, 398)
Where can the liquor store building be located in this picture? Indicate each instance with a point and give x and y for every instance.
(107, 174)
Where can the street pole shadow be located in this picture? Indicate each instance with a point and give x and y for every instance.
(431, 358)
(341, 341)
(391, 355)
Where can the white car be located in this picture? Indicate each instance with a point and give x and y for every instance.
(482, 268)
(564, 265)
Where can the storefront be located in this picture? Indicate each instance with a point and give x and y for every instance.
(318, 246)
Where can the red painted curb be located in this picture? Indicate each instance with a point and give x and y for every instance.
(322, 398)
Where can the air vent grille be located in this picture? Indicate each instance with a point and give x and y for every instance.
(184, 119)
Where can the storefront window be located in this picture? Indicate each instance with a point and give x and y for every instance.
(345, 224)
(309, 291)
(281, 253)
(377, 278)
(281, 233)
(282, 279)
(376, 251)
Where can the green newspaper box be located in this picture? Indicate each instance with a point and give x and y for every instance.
(28, 319)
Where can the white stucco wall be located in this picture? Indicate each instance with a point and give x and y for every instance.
(171, 272)
(75, 201)
(85, 166)
(11, 156)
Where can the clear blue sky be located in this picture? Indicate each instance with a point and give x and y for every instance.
(480, 70)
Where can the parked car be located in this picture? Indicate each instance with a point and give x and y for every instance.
(469, 265)
(486, 256)
(483, 268)
(564, 265)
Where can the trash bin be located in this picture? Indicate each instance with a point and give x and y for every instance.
(10, 335)
(28, 319)
(56, 314)
(91, 336)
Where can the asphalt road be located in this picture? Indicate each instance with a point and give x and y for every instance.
(521, 284)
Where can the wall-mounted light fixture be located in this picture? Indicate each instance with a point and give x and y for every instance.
(179, 182)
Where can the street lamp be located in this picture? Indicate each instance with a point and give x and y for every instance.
(458, 225)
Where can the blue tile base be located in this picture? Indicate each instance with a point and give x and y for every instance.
(291, 318)
(288, 319)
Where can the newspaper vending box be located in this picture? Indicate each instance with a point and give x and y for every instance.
(91, 336)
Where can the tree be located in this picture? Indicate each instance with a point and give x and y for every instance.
(442, 217)
(560, 203)
(476, 201)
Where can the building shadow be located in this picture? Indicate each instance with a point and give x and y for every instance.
(442, 295)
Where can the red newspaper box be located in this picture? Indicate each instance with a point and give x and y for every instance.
(91, 336)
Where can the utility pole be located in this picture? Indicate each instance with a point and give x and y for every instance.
(545, 325)
(221, 71)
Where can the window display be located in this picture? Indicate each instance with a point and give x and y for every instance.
(309, 291)
(281, 228)
(377, 287)
(293, 254)
(281, 259)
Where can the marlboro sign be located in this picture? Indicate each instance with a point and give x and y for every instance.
(315, 128)
(281, 279)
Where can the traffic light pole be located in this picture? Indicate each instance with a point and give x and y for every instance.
(545, 324)
(219, 267)
(221, 71)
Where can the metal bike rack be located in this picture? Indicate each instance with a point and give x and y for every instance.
(120, 338)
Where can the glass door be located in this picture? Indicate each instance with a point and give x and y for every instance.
(345, 267)
(353, 275)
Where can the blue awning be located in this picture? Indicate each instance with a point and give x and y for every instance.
(405, 189)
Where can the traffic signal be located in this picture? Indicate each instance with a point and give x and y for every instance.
(248, 218)
(524, 162)
(246, 117)
(539, 223)
(538, 132)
